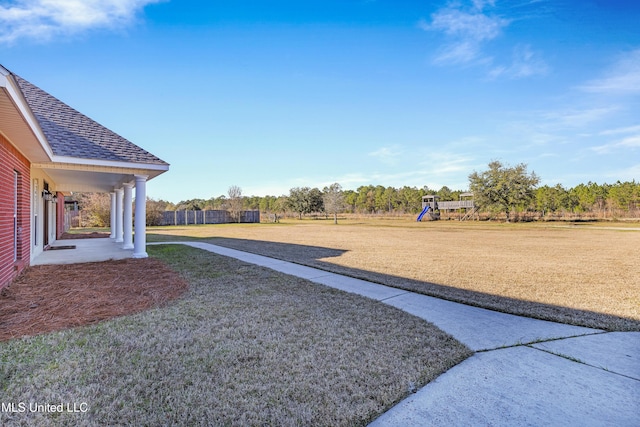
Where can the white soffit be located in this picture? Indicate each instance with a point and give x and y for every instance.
(92, 177)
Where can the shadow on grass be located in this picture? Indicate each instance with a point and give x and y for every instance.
(313, 256)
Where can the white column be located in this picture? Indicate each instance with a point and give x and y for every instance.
(113, 215)
(140, 242)
(128, 217)
(119, 195)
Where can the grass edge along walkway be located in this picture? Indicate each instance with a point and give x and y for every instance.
(519, 307)
(243, 346)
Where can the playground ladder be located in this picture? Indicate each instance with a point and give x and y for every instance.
(469, 214)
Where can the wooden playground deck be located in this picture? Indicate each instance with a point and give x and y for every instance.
(456, 204)
(432, 206)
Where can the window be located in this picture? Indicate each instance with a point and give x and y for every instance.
(15, 215)
(36, 196)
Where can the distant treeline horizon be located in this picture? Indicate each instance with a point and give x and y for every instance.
(590, 198)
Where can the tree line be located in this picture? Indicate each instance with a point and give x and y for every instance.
(501, 191)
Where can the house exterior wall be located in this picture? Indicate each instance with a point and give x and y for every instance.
(14, 246)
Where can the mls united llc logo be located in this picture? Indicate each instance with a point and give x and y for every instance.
(22, 407)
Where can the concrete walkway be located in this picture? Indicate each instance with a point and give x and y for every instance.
(524, 371)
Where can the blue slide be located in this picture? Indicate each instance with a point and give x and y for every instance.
(424, 211)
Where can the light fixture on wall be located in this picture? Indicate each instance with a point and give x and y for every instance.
(46, 195)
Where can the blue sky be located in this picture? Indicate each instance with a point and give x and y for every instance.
(270, 95)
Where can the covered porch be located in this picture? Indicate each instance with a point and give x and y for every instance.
(82, 250)
(126, 184)
(62, 151)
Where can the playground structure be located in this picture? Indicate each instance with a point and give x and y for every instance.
(432, 207)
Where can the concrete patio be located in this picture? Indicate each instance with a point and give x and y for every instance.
(86, 250)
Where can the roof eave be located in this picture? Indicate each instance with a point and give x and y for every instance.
(110, 163)
(8, 83)
(73, 174)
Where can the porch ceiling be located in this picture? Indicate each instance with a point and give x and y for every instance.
(87, 178)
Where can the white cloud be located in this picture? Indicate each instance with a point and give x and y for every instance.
(617, 131)
(467, 31)
(388, 154)
(632, 142)
(353, 180)
(427, 167)
(622, 78)
(577, 118)
(525, 63)
(480, 4)
(467, 25)
(458, 53)
(629, 174)
(444, 163)
(412, 178)
(44, 19)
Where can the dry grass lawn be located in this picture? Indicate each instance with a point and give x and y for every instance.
(585, 275)
(243, 346)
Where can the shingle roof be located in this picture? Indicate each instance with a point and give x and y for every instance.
(72, 134)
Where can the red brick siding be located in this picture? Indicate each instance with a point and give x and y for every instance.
(11, 160)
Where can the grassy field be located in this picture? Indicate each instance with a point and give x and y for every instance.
(243, 346)
(579, 274)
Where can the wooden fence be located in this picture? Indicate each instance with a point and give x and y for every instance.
(207, 217)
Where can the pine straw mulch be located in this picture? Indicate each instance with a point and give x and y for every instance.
(53, 297)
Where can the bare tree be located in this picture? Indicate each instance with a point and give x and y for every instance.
(155, 211)
(333, 199)
(95, 208)
(235, 202)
